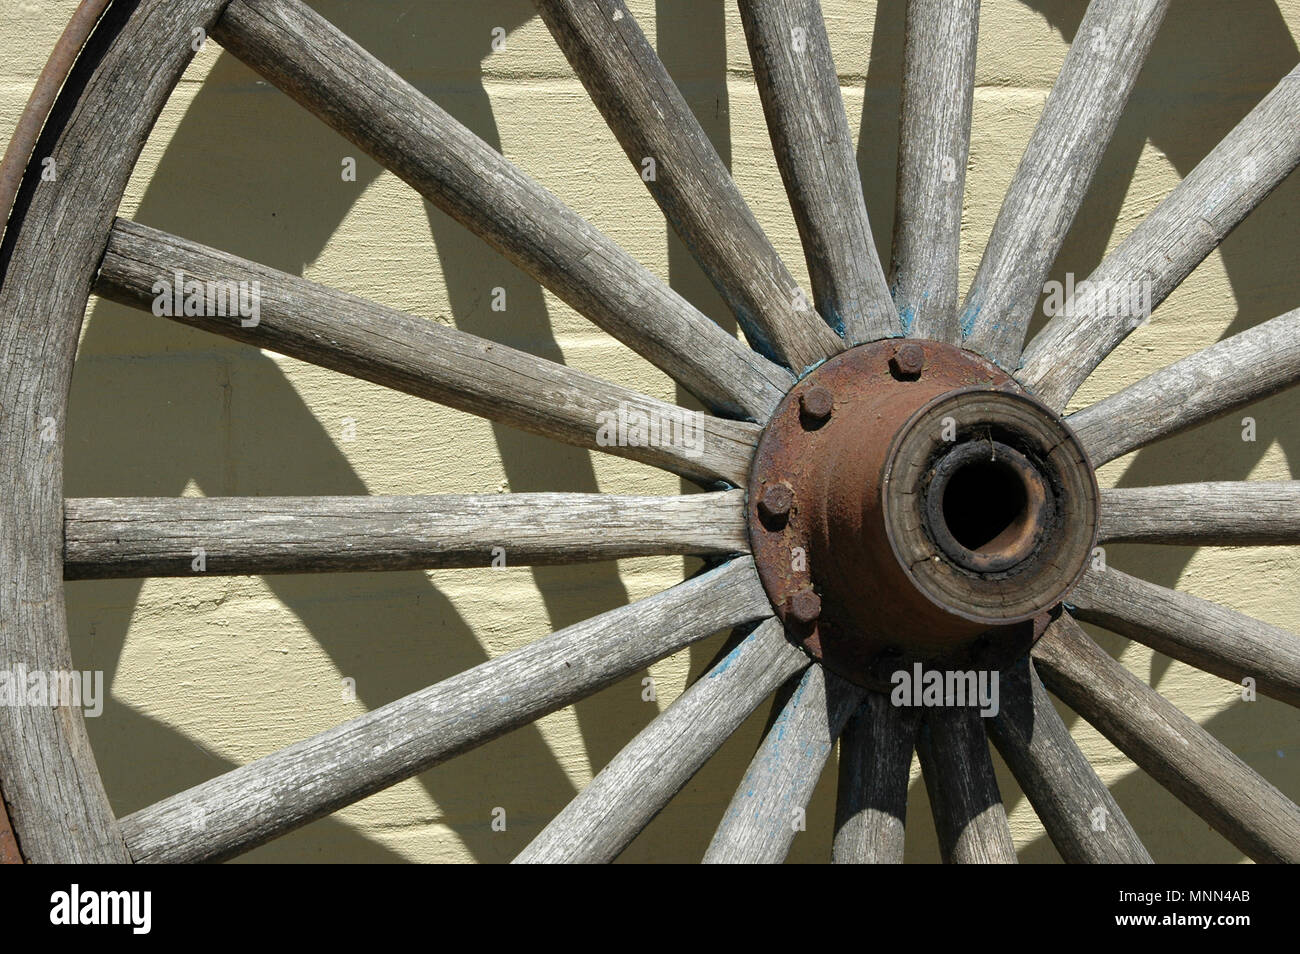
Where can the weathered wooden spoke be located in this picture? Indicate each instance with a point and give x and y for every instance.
(871, 802)
(964, 798)
(259, 801)
(768, 808)
(628, 792)
(1074, 805)
(1234, 799)
(421, 357)
(158, 536)
(1208, 384)
(1224, 513)
(1203, 634)
(666, 143)
(933, 148)
(800, 89)
(1162, 251)
(1078, 121)
(329, 74)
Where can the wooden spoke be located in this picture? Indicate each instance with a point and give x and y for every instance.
(1162, 251)
(1200, 633)
(259, 801)
(1221, 378)
(369, 104)
(871, 803)
(635, 786)
(421, 357)
(652, 121)
(157, 536)
(1226, 513)
(1234, 799)
(968, 813)
(933, 147)
(768, 808)
(1063, 154)
(800, 89)
(1074, 805)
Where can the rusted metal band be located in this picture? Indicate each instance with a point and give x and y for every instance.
(9, 853)
(19, 151)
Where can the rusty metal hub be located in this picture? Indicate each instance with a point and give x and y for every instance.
(909, 501)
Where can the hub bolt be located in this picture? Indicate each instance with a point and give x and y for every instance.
(804, 606)
(908, 361)
(774, 506)
(816, 404)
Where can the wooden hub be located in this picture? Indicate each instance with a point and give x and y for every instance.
(909, 501)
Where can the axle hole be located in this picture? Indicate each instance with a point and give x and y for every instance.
(983, 500)
(986, 505)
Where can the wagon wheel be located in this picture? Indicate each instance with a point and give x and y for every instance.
(911, 500)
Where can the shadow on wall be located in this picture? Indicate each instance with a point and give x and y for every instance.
(179, 411)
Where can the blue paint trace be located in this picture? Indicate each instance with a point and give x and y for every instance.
(783, 717)
(727, 660)
(906, 318)
(810, 369)
(835, 320)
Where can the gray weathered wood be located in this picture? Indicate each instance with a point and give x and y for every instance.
(652, 120)
(1225, 513)
(1212, 382)
(1077, 810)
(768, 808)
(109, 537)
(1199, 632)
(800, 89)
(1162, 251)
(638, 782)
(964, 799)
(52, 244)
(259, 801)
(422, 357)
(875, 765)
(933, 149)
(1063, 154)
(369, 104)
(1231, 796)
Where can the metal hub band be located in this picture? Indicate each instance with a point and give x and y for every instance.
(910, 502)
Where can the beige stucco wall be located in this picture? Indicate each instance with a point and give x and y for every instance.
(209, 673)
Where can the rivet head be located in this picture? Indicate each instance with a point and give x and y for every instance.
(804, 606)
(775, 503)
(816, 404)
(908, 361)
